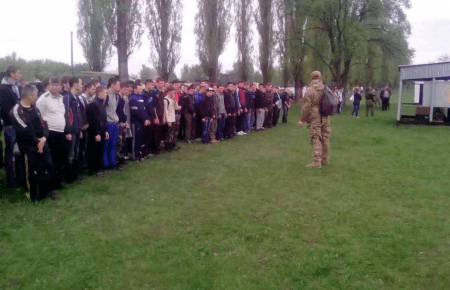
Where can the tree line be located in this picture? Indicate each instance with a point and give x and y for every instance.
(350, 41)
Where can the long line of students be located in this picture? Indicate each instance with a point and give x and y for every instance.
(74, 127)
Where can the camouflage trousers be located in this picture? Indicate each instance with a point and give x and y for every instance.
(320, 131)
(172, 133)
(212, 129)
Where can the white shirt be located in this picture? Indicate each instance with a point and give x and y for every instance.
(52, 110)
(169, 109)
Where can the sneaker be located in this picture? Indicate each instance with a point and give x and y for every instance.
(357, 117)
(240, 133)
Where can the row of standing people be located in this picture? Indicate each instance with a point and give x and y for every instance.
(96, 127)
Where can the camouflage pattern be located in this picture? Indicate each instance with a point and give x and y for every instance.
(212, 129)
(216, 114)
(319, 126)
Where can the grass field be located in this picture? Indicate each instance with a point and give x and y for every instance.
(247, 214)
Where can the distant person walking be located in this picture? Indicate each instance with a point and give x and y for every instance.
(385, 96)
(356, 102)
(319, 126)
(370, 100)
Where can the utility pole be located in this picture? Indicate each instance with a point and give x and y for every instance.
(71, 50)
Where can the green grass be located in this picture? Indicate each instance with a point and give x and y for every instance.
(247, 214)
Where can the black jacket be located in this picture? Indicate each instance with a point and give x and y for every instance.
(206, 107)
(259, 102)
(188, 106)
(120, 111)
(229, 101)
(8, 100)
(29, 126)
(72, 115)
(96, 114)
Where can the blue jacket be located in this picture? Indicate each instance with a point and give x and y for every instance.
(198, 98)
(138, 112)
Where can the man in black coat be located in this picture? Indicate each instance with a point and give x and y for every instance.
(9, 97)
(98, 130)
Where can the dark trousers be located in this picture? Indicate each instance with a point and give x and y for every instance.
(39, 189)
(221, 126)
(1, 155)
(230, 124)
(198, 126)
(157, 134)
(59, 149)
(276, 116)
(127, 147)
(369, 108)
(137, 129)
(205, 130)
(95, 153)
(14, 161)
(285, 114)
(268, 119)
(83, 151)
(189, 122)
(355, 109)
(384, 104)
(147, 140)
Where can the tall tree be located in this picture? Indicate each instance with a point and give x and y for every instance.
(348, 24)
(264, 23)
(164, 23)
(94, 19)
(127, 33)
(282, 37)
(244, 37)
(212, 28)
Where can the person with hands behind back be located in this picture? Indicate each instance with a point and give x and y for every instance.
(98, 129)
(32, 132)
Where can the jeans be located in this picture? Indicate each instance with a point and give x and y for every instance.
(205, 129)
(243, 122)
(355, 109)
(251, 118)
(285, 114)
(221, 126)
(109, 150)
(260, 114)
(14, 161)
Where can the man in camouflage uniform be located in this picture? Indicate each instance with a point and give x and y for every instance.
(319, 126)
(216, 116)
(268, 100)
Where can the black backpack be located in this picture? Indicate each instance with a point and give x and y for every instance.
(328, 103)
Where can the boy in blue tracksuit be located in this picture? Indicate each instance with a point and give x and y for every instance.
(139, 119)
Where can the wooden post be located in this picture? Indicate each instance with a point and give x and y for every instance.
(433, 92)
(399, 101)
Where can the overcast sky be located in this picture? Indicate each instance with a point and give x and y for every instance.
(41, 30)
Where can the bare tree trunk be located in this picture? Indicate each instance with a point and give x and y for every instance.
(122, 51)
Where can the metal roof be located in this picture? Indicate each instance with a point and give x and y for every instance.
(425, 71)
